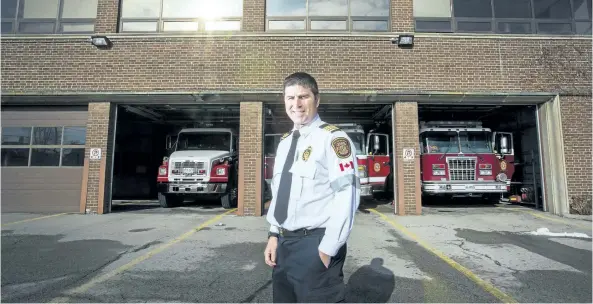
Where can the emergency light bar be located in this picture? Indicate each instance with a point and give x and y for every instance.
(451, 124)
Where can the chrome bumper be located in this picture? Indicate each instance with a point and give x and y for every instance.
(197, 188)
(446, 188)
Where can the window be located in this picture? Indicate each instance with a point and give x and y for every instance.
(48, 16)
(558, 17)
(180, 16)
(328, 15)
(43, 146)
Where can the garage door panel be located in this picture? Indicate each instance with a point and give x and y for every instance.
(43, 118)
(40, 201)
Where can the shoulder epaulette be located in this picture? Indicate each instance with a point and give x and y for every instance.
(329, 128)
(285, 135)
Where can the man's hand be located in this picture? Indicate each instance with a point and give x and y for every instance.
(270, 252)
(324, 258)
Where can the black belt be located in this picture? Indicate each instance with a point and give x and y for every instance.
(301, 232)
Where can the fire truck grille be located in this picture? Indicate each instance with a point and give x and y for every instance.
(462, 168)
(188, 166)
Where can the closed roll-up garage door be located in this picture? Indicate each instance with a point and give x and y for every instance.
(42, 158)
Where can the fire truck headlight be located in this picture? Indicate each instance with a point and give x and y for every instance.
(162, 171)
(438, 172)
(501, 177)
(485, 172)
(362, 172)
(220, 171)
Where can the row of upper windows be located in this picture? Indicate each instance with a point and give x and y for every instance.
(563, 17)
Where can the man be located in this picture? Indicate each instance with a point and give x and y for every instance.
(315, 194)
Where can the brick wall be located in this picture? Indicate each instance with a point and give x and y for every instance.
(402, 12)
(408, 171)
(577, 132)
(97, 136)
(250, 162)
(107, 14)
(255, 15)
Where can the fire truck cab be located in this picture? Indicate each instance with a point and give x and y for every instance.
(202, 162)
(464, 159)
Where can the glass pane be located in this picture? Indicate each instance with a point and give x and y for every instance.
(474, 26)
(554, 28)
(514, 28)
(472, 8)
(45, 157)
(15, 157)
(47, 135)
(6, 27)
(141, 9)
(139, 27)
(73, 157)
(558, 9)
(582, 9)
(74, 136)
(512, 9)
(370, 26)
(180, 26)
(80, 9)
(16, 136)
(379, 8)
(78, 27)
(181, 8)
(286, 25)
(433, 26)
(8, 8)
(432, 8)
(328, 7)
(279, 8)
(328, 25)
(584, 28)
(39, 8)
(36, 27)
(223, 25)
(202, 8)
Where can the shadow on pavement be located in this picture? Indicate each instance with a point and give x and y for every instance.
(371, 283)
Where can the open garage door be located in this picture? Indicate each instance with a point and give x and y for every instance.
(175, 154)
(488, 153)
(42, 158)
(369, 125)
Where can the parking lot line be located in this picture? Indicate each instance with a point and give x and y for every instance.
(84, 287)
(470, 275)
(35, 218)
(546, 217)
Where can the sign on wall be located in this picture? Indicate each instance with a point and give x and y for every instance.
(408, 154)
(95, 154)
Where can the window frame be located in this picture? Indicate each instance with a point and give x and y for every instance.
(349, 18)
(494, 22)
(57, 22)
(30, 146)
(160, 22)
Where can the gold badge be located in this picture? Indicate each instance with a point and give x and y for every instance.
(341, 147)
(284, 136)
(503, 165)
(307, 153)
(331, 128)
(377, 167)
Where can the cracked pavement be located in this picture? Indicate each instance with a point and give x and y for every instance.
(119, 257)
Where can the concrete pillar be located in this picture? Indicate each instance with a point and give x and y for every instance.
(96, 184)
(250, 159)
(407, 178)
(107, 16)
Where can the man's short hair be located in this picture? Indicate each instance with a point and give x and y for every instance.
(303, 79)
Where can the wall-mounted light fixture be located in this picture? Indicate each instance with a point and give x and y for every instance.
(403, 41)
(101, 42)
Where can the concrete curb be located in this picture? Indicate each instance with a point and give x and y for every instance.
(588, 218)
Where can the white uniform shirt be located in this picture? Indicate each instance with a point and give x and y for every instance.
(325, 191)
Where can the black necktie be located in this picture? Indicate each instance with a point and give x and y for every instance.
(281, 208)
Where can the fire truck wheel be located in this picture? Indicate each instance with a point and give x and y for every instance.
(229, 200)
(167, 201)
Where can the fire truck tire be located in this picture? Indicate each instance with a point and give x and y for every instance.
(167, 201)
(229, 200)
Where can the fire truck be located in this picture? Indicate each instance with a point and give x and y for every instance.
(464, 159)
(201, 162)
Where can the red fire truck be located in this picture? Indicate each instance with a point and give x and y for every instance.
(464, 159)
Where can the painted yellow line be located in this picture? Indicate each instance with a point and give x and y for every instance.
(34, 219)
(546, 217)
(470, 275)
(83, 288)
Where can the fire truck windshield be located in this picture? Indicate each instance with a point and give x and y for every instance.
(204, 141)
(441, 142)
(358, 141)
(475, 142)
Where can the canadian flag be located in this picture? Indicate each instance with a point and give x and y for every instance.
(346, 166)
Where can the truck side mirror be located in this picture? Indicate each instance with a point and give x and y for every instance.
(504, 145)
(376, 145)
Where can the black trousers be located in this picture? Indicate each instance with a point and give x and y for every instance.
(301, 276)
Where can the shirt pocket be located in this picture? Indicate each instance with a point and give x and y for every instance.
(303, 178)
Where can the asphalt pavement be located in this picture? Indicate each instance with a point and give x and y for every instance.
(143, 253)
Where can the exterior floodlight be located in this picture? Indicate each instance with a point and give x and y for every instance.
(403, 40)
(101, 42)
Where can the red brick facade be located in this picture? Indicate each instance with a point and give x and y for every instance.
(444, 63)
